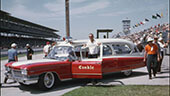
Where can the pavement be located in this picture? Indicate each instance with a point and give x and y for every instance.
(139, 77)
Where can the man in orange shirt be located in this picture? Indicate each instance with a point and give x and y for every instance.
(152, 56)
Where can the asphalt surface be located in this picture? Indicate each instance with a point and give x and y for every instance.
(139, 77)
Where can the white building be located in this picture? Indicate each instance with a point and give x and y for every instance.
(126, 26)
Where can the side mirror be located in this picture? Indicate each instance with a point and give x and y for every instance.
(68, 60)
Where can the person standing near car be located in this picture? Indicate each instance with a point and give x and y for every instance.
(46, 49)
(30, 52)
(151, 57)
(159, 51)
(12, 53)
(53, 45)
(93, 51)
(12, 56)
(93, 47)
(162, 46)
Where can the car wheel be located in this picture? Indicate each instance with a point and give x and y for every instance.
(127, 73)
(46, 81)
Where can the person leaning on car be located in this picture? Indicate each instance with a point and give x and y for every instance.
(93, 47)
(152, 56)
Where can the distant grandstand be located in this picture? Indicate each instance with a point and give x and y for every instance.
(16, 30)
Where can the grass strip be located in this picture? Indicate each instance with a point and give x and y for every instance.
(121, 90)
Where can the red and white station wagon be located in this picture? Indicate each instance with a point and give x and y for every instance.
(67, 61)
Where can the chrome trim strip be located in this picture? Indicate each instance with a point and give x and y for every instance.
(66, 79)
(86, 73)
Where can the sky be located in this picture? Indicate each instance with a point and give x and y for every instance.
(86, 16)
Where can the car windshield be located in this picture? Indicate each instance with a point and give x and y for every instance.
(61, 53)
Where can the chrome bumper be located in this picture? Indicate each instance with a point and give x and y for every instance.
(23, 79)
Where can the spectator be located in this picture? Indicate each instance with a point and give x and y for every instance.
(159, 51)
(12, 53)
(152, 56)
(162, 46)
(30, 52)
(46, 49)
(12, 56)
(53, 45)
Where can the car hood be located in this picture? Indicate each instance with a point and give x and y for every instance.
(20, 63)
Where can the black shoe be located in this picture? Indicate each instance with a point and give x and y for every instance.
(159, 72)
(154, 75)
(150, 77)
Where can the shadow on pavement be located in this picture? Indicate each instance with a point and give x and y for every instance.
(63, 85)
(162, 76)
(6, 85)
(2, 86)
(82, 82)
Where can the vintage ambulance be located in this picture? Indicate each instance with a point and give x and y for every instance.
(70, 60)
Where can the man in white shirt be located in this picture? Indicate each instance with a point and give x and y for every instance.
(46, 49)
(162, 46)
(93, 47)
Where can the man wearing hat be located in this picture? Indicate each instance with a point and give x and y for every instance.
(151, 57)
(12, 53)
(29, 52)
(12, 56)
(159, 50)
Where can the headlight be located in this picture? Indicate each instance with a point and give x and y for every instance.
(7, 68)
(24, 71)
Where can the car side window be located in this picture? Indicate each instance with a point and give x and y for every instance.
(121, 49)
(107, 51)
(135, 50)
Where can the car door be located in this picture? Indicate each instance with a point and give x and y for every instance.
(127, 58)
(86, 67)
(109, 61)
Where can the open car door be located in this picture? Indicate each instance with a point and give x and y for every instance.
(86, 67)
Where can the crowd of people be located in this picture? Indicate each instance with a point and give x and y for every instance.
(153, 42)
(140, 38)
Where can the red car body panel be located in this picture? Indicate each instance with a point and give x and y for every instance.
(61, 68)
(87, 69)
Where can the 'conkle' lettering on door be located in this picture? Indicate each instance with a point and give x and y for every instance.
(89, 67)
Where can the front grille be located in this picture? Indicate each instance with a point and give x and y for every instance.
(16, 73)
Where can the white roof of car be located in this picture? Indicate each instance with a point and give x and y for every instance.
(105, 41)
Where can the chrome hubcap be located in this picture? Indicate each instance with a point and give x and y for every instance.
(49, 79)
(127, 73)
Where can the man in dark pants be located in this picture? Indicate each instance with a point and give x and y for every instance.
(159, 50)
(92, 45)
(29, 52)
(152, 56)
(12, 56)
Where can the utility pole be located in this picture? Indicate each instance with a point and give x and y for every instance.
(0, 4)
(67, 18)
